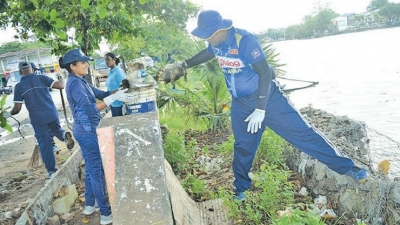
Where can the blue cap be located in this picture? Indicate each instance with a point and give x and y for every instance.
(33, 66)
(23, 65)
(209, 22)
(75, 55)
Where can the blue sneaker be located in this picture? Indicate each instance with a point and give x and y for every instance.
(358, 174)
(50, 175)
(239, 196)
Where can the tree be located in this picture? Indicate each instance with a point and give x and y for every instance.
(315, 25)
(293, 32)
(116, 21)
(15, 46)
(323, 19)
(376, 4)
(390, 11)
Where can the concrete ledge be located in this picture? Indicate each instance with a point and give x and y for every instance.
(133, 160)
(41, 207)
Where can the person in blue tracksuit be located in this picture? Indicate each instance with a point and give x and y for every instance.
(114, 80)
(257, 101)
(86, 113)
(33, 90)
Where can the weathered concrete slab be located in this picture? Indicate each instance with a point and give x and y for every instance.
(187, 211)
(41, 207)
(141, 193)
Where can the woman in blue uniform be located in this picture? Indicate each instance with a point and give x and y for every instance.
(86, 113)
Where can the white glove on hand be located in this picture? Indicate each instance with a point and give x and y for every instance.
(255, 119)
(6, 114)
(61, 79)
(118, 96)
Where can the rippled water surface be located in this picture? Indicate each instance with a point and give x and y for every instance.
(358, 75)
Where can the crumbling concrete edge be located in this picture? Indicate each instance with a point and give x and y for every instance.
(40, 206)
(187, 211)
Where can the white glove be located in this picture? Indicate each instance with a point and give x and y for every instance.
(255, 120)
(118, 96)
(60, 78)
(6, 114)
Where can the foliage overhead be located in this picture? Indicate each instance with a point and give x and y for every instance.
(390, 11)
(87, 22)
(15, 46)
(376, 4)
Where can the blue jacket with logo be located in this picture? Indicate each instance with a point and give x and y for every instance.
(235, 56)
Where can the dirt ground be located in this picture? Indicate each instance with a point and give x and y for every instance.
(19, 182)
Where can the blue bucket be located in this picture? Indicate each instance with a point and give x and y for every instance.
(141, 107)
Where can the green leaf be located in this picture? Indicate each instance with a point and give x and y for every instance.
(35, 3)
(53, 14)
(3, 101)
(62, 35)
(8, 128)
(59, 23)
(102, 13)
(85, 4)
(3, 121)
(111, 5)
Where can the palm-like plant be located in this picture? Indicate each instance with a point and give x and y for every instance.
(272, 58)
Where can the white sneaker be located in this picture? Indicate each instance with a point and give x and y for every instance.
(106, 219)
(89, 210)
(50, 174)
(56, 149)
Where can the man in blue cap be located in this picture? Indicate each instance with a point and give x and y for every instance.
(33, 90)
(257, 101)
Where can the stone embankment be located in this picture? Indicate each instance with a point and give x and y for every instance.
(376, 201)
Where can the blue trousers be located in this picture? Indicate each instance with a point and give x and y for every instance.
(287, 122)
(95, 183)
(44, 135)
(116, 111)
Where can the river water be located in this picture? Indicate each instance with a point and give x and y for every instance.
(358, 75)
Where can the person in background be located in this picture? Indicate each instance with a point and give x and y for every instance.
(56, 149)
(33, 90)
(258, 102)
(42, 70)
(114, 80)
(86, 113)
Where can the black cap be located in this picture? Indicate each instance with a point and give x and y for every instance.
(23, 65)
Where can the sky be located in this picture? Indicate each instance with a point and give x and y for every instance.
(260, 15)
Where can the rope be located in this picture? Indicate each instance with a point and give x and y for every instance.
(19, 126)
(312, 84)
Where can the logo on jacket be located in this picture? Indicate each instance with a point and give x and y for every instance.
(229, 62)
(255, 53)
(233, 52)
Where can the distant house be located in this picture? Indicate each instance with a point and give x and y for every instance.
(9, 61)
(339, 23)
